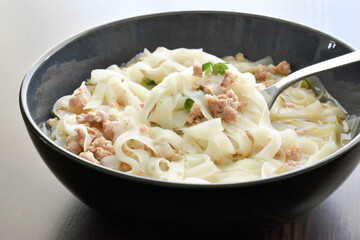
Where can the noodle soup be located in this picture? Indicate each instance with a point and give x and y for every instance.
(186, 115)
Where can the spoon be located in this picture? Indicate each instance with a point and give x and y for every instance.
(271, 93)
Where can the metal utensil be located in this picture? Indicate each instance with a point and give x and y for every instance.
(271, 93)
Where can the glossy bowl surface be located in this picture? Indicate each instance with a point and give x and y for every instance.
(61, 70)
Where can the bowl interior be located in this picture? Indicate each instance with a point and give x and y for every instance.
(62, 69)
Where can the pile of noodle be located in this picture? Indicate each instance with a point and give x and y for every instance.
(257, 145)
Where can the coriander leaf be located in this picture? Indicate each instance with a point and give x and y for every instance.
(149, 84)
(220, 68)
(207, 71)
(188, 104)
(206, 68)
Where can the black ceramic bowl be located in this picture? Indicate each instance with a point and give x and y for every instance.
(61, 70)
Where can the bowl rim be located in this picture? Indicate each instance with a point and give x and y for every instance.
(147, 180)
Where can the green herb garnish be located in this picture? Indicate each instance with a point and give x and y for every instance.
(218, 68)
(149, 84)
(206, 68)
(188, 104)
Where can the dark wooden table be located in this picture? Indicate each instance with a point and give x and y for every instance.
(34, 205)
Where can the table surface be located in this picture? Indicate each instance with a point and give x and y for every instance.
(34, 204)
